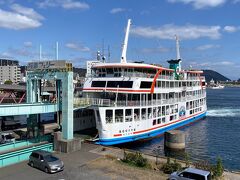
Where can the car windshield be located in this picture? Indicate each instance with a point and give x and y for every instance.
(50, 158)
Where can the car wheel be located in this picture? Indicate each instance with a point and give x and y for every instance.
(46, 170)
(31, 164)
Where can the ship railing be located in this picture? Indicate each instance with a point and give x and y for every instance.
(78, 102)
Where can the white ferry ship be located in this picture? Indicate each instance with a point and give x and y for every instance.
(136, 101)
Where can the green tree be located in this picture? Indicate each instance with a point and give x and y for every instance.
(8, 82)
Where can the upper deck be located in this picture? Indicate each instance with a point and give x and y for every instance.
(114, 70)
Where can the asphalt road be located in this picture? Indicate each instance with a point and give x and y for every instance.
(74, 163)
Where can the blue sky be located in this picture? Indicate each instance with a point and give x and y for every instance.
(209, 31)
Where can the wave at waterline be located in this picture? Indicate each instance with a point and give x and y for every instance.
(223, 112)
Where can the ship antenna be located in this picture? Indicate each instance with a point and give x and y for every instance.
(178, 51)
(103, 55)
(125, 43)
(56, 50)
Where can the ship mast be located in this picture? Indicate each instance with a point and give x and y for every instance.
(124, 46)
(178, 51)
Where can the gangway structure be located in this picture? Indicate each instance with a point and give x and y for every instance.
(59, 72)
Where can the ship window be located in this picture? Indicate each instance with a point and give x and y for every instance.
(128, 115)
(144, 114)
(171, 118)
(154, 122)
(118, 115)
(176, 84)
(163, 111)
(98, 83)
(149, 113)
(163, 84)
(167, 84)
(159, 111)
(159, 121)
(163, 120)
(121, 84)
(136, 114)
(109, 116)
(167, 110)
(109, 71)
(145, 84)
(154, 112)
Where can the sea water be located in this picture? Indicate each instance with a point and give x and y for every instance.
(218, 135)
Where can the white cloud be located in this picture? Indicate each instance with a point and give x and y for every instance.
(155, 50)
(6, 55)
(29, 12)
(27, 44)
(226, 63)
(75, 5)
(77, 47)
(117, 10)
(145, 12)
(184, 32)
(200, 4)
(66, 4)
(230, 29)
(207, 46)
(16, 19)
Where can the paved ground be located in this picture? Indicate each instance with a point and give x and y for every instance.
(88, 163)
(74, 168)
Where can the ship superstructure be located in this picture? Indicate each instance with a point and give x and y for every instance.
(135, 101)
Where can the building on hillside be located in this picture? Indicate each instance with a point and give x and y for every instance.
(9, 71)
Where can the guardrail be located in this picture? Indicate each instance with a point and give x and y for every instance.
(22, 143)
(22, 155)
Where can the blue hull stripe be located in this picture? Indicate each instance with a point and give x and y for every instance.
(149, 134)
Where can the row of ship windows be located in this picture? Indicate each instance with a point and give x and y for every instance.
(135, 114)
(196, 103)
(163, 120)
(148, 113)
(195, 110)
(145, 84)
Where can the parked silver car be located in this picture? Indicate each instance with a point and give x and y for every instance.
(45, 161)
(191, 173)
(6, 137)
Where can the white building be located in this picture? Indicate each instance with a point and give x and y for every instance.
(9, 70)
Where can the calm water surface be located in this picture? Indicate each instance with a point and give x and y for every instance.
(217, 135)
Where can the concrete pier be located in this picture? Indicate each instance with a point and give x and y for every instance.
(174, 140)
(66, 146)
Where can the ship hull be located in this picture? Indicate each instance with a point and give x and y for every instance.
(153, 132)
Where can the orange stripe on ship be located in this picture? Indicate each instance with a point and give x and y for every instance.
(154, 80)
(117, 135)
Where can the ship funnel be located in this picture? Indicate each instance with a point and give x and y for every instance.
(125, 43)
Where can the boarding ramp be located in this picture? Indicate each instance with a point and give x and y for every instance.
(27, 108)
